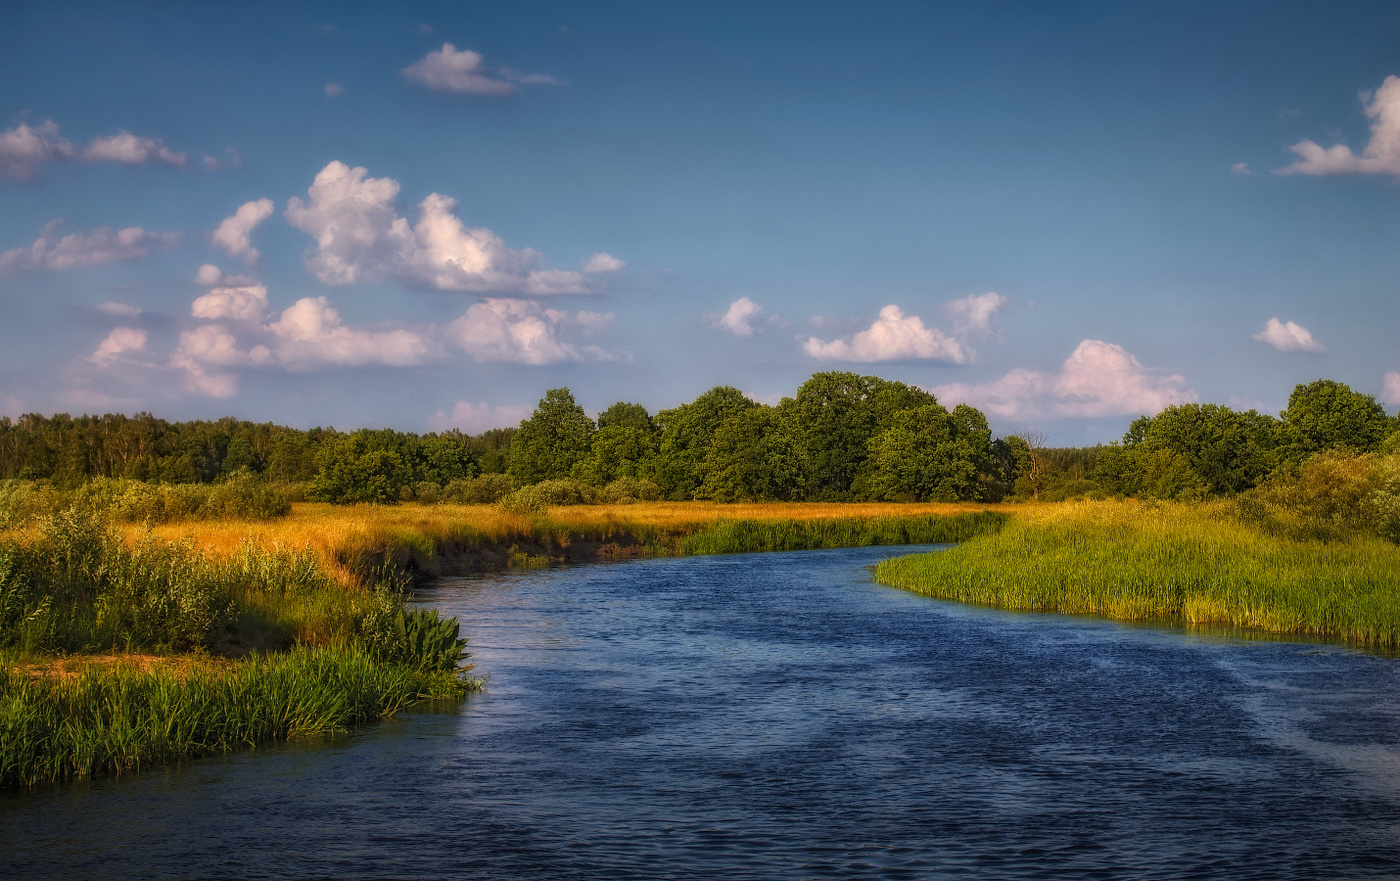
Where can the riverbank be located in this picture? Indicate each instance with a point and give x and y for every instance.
(427, 541)
(1193, 565)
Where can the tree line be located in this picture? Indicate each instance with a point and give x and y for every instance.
(840, 437)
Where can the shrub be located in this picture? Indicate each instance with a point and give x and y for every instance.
(1331, 496)
(484, 490)
(539, 496)
(630, 489)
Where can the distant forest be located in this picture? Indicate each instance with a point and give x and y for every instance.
(841, 437)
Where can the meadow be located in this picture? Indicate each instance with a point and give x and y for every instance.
(1197, 565)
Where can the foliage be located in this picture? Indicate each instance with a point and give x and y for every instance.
(1331, 496)
(537, 497)
(687, 435)
(929, 454)
(625, 446)
(630, 489)
(241, 497)
(426, 641)
(1327, 415)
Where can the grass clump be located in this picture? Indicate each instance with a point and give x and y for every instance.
(119, 718)
(1188, 564)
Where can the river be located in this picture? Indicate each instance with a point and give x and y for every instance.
(781, 716)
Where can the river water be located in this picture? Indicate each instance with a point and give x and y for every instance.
(781, 716)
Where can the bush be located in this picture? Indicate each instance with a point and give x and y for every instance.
(630, 489)
(242, 497)
(484, 490)
(539, 496)
(1331, 496)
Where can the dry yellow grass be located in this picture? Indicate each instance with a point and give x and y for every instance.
(341, 535)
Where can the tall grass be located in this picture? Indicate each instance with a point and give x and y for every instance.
(118, 718)
(1190, 564)
(743, 536)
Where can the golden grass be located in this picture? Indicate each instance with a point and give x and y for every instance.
(343, 536)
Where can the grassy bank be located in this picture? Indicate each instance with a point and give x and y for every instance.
(117, 717)
(119, 654)
(1187, 564)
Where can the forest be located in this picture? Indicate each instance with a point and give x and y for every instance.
(840, 437)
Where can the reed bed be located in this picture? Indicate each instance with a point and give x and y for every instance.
(119, 717)
(1196, 565)
(744, 536)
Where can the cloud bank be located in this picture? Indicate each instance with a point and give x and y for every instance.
(1098, 379)
(80, 250)
(470, 418)
(360, 237)
(24, 148)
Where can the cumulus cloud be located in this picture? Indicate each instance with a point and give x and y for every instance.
(240, 303)
(233, 234)
(522, 332)
(893, 337)
(79, 250)
(24, 148)
(334, 90)
(1241, 169)
(310, 333)
(972, 315)
(131, 150)
(1381, 154)
(208, 275)
(1289, 337)
(740, 316)
(1098, 379)
(603, 262)
(118, 342)
(230, 159)
(474, 418)
(1391, 393)
(465, 72)
(360, 237)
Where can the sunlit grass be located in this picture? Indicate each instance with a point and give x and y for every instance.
(1190, 564)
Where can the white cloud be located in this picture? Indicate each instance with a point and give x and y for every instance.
(208, 275)
(1098, 379)
(78, 250)
(739, 318)
(24, 148)
(465, 72)
(334, 90)
(893, 337)
(360, 237)
(118, 342)
(521, 332)
(241, 303)
(603, 262)
(972, 315)
(472, 418)
(233, 234)
(1241, 169)
(118, 310)
(310, 333)
(131, 150)
(1391, 393)
(1289, 337)
(1381, 154)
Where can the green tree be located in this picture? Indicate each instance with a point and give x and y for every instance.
(750, 458)
(552, 441)
(929, 454)
(687, 433)
(1327, 415)
(625, 445)
(351, 469)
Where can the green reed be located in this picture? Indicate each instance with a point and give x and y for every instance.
(1195, 565)
(117, 718)
(745, 536)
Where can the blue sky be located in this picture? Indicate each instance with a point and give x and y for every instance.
(425, 215)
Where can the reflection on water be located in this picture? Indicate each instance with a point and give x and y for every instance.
(780, 716)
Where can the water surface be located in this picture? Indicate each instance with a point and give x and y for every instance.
(780, 716)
